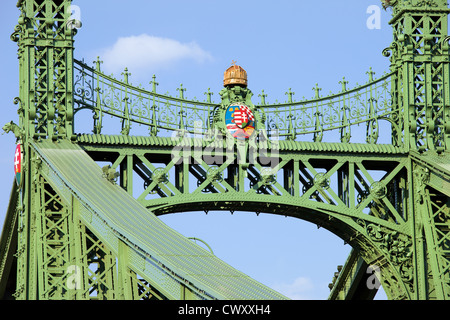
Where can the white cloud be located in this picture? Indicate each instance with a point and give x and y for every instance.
(300, 289)
(145, 53)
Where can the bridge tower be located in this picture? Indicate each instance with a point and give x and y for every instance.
(44, 230)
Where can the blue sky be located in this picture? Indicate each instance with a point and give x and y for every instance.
(282, 44)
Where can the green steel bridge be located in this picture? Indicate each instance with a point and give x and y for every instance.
(75, 229)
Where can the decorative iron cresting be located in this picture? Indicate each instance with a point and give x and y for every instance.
(366, 104)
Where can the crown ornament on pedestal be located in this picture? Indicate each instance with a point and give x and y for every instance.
(235, 75)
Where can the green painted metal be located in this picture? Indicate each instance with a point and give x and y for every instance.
(420, 56)
(8, 245)
(366, 104)
(165, 259)
(354, 281)
(390, 202)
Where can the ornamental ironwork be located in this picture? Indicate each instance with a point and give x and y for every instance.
(75, 231)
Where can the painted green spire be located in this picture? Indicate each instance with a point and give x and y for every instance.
(44, 35)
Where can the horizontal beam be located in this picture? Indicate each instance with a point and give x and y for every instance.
(90, 141)
(351, 283)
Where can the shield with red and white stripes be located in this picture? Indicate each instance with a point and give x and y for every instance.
(243, 116)
(18, 164)
(240, 121)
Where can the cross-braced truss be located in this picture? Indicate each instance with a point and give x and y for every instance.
(367, 193)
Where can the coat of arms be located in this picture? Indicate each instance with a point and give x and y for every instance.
(240, 121)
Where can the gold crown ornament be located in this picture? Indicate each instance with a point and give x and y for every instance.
(235, 75)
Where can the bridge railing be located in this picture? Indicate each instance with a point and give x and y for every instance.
(105, 95)
(365, 104)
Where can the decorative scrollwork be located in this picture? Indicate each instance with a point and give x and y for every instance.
(105, 95)
(378, 190)
(422, 176)
(214, 174)
(267, 177)
(15, 36)
(321, 180)
(423, 3)
(159, 175)
(396, 246)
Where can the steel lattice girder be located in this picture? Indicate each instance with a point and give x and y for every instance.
(320, 192)
(172, 264)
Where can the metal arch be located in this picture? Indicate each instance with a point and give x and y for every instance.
(372, 233)
(369, 237)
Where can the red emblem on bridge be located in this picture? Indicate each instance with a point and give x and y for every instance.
(18, 163)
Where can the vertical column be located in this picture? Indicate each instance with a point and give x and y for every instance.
(45, 52)
(124, 276)
(126, 174)
(421, 58)
(46, 68)
(446, 91)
